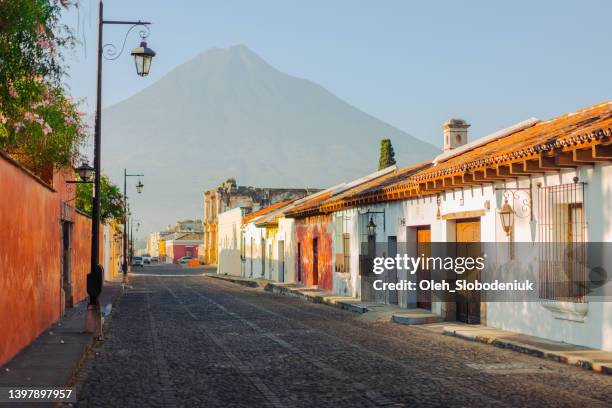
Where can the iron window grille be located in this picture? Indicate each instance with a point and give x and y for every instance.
(563, 238)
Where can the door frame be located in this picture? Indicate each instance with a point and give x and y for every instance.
(468, 304)
(421, 301)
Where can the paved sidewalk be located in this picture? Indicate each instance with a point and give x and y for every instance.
(371, 310)
(593, 359)
(52, 358)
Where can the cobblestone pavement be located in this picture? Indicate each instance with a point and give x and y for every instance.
(200, 342)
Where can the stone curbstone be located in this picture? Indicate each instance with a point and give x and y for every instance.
(533, 351)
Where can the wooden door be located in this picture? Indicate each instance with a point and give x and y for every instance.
(468, 245)
(315, 261)
(423, 235)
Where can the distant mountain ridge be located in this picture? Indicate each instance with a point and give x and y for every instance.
(229, 113)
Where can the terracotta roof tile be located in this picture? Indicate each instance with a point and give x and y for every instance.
(249, 217)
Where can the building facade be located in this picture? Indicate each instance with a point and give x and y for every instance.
(180, 244)
(531, 196)
(229, 195)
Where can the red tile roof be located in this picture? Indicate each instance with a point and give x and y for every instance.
(546, 140)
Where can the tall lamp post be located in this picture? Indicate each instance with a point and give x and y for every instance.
(142, 58)
(139, 187)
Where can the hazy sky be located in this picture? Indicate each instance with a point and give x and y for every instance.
(412, 64)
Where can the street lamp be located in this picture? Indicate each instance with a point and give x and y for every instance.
(139, 187)
(143, 56)
(85, 171)
(93, 319)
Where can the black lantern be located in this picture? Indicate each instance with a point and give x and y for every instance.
(371, 228)
(143, 56)
(506, 213)
(139, 187)
(85, 171)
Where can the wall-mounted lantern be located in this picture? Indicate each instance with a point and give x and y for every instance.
(506, 214)
(371, 228)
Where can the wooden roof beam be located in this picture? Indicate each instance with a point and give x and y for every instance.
(565, 159)
(587, 156)
(453, 182)
(537, 166)
(486, 176)
(495, 175)
(469, 180)
(602, 152)
(519, 169)
(431, 186)
(556, 161)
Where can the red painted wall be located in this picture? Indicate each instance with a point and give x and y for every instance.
(307, 229)
(177, 250)
(30, 254)
(81, 251)
(29, 258)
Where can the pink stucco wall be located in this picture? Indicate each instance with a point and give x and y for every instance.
(30, 254)
(176, 250)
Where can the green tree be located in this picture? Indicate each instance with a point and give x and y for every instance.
(387, 155)
(111, 200)
(39, 124)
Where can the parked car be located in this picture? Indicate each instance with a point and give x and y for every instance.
(137, 261)
(146, 259)
(184, 259)
(154, 259)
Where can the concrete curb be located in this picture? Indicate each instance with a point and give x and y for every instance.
(586, 363)
(93, 342)
(314, 297)
(415, 320)
(251, 283)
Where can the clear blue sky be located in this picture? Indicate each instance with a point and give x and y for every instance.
(412, 64)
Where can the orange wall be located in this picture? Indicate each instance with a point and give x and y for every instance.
(29, 258)
(306, 230)
(81, 250)
(30, 252)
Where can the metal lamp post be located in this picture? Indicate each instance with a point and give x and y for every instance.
(142, 57)
(139, 187)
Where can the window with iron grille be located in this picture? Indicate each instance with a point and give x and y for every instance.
(346, 248)
(342, 244)
(562, 236)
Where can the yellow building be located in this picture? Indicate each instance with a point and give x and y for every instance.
(161, 247)
(113, 250)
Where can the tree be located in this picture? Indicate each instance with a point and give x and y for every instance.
(387, 155)
(111, 200)
(39, 124)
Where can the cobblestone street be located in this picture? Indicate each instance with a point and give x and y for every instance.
(196, 341)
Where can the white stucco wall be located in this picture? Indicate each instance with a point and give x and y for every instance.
(532, 317)
(524, 317)
(286, 233)
(252, 267)
(228, 242)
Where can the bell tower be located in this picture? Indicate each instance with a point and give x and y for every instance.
(455, 133)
